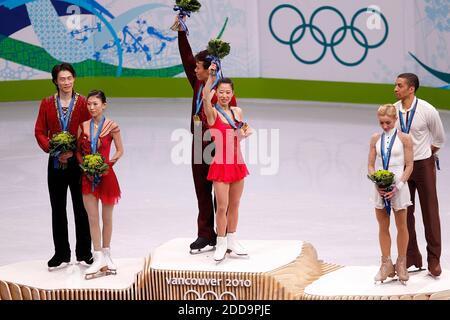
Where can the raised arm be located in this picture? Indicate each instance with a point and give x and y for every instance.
(41, 128)
(208, 95)
(187, 57)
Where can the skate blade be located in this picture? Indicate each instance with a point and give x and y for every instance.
(95, 275)
(61, 266)
(416, 270)
(433, 276)
(200, 251)
(111, 272)
(387, 280)
(101, 273)
(219, 261)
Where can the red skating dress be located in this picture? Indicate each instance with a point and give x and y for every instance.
(228, 164)
(108, 190)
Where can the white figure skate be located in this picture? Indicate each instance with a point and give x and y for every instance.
(386, 270)
(221, 249)
(400, 269)
(235, 246)
(98, 268)
(112, 268)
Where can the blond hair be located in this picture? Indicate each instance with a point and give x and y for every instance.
(387, 110)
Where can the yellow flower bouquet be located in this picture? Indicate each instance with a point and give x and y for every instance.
(94, 166)
(60, 143)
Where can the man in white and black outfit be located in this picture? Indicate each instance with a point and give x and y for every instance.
(421, 120)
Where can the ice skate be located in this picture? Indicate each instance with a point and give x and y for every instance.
(221, 249)
(98, 268)
(86, 261)
(400, 269)
(416, 261)
(386, 270)
(434, 268)
(57, 262)
(234, 245)
(202, 245)
(112, 268)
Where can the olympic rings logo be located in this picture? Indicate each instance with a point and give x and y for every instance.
(337, 37)
(205, 294)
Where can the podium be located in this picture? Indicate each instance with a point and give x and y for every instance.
(274, 270)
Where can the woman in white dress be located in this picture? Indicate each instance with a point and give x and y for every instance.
(397, 148)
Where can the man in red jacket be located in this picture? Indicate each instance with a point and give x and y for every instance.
(196, 69)
(64, 111)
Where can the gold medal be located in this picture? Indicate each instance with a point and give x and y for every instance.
(196, 119)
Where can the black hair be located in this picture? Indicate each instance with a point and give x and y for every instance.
(62, 67)
(225, 80)
(202, 56)
(411, 79)
(97, 93)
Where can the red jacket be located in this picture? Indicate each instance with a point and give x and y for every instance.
(47, 122)
(189, 65)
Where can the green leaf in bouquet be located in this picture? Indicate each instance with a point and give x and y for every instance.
(189, 5)
(218, 48)
(94, 164)
(62, 142)
(383, 178)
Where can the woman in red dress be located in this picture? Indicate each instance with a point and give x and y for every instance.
(227, 170)
(96, 136)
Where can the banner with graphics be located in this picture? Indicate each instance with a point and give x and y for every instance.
(118, 38)
(350, 41)
(355, 41)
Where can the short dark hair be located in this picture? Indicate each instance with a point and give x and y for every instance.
(411, 79)
(62, 67)
(202, 56)
(97, 93)
(225, 80)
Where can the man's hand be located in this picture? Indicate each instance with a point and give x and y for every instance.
(65, 156)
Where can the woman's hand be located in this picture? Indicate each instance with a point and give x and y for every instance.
(245, 131)
(389, 195)
(381, 191)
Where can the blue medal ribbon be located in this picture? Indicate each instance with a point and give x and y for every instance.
(64, 121)
(199, 102)
(386, 157)
(183, 13)
(94, 144)
(406, 128)
(235, 124)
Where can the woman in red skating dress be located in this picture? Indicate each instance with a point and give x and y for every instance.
(96, 136)
(227, 170)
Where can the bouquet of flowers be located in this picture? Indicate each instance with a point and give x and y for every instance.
(384, 179)
(186, 7)
(60, 143)
(218, 49)
(94, 166)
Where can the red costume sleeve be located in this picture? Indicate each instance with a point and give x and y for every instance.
(41, 127)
